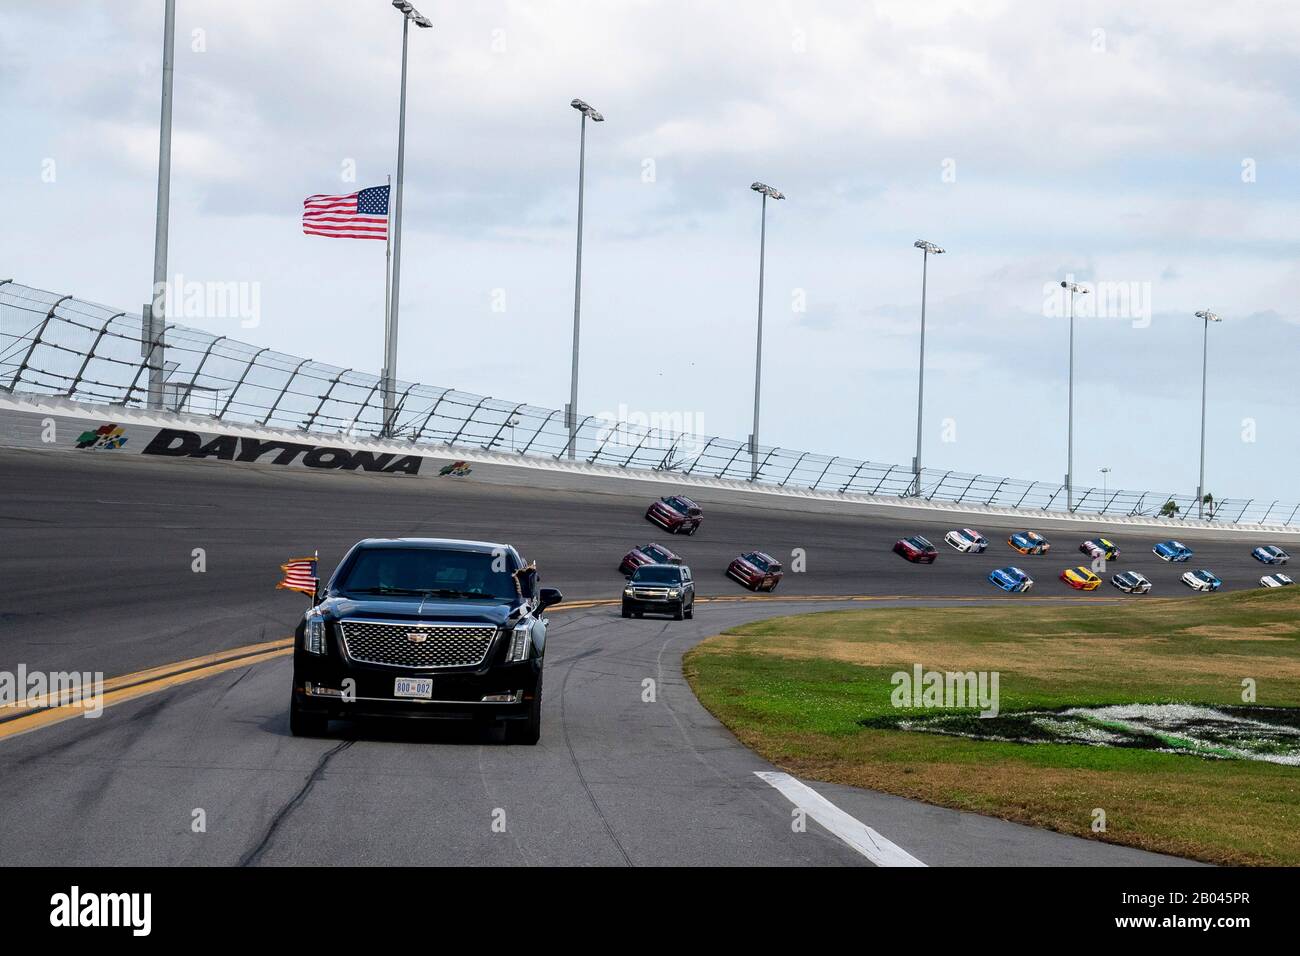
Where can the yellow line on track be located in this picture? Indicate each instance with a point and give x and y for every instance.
(45, 710)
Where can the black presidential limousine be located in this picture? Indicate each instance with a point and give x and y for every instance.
(424, 627)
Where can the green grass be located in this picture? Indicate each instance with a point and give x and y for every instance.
(796, 688)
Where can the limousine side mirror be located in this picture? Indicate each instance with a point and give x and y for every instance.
(549, 597)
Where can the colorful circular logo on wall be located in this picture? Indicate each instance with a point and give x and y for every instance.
(109, 436)
(457, 469)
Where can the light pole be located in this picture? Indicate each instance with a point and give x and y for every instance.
(1208, 317)
(1105, 473)
(588, 113)
(154, 316)
(927, 249)
(409, 15)
(1074, 288)
(766, 192)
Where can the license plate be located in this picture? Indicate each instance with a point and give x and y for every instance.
(421, 687)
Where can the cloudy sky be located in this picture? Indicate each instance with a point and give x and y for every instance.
(1151, 147)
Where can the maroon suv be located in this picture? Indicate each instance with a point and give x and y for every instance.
(756, 571)
(647, 554)
(676, 513)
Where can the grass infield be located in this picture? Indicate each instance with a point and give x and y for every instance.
(796, 689)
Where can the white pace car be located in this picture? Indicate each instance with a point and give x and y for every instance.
(966, 541)
(1278, 580)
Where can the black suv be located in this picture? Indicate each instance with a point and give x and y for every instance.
(424, 627)
(660, 589)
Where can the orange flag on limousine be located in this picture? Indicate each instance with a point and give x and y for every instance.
(299, 575)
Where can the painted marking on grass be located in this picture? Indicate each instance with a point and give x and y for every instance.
(849, 829)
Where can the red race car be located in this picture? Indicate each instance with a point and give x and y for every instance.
(647, 554)
(916, 549)
(756, 571)
(676, 513)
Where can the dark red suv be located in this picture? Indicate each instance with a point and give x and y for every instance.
(756, 571)
(916, 549)
(676, 513)
(647, 554)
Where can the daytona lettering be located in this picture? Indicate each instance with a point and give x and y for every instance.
(175, 443)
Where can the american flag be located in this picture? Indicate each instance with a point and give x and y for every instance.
(299, 575)
(358, 215)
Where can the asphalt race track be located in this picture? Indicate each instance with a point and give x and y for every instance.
(97, 575)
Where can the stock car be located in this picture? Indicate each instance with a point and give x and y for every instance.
(916, 549)
(1081, 579)
(1201, 580)
(756, 571)
(1100, 548)
(1131, 582)
(676, 514)
(1011, 579)
(1277, 580)
(647, 554)
(1270, 554)
(966, 541)
(1171, 550)
(1029, 542)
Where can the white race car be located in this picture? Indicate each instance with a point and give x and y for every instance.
(1201, 580)
(1278, 580)
(966, 541)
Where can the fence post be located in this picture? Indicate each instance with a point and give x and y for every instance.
(823, 474)
(993, 496)
(1079, 504)
(323, 399)
(243, 375)
(854, 477)
(629, 457)
(497, 436)
(362, 407)
(883, 478)
(1048, 506)
(671, 448)
(707, 445)
(1032, 486)
(1268, 512)
(1106, 506)
(962, 497)
(793, 469)
(726, 468)
(76, 379)
(36, 340)
(468, 418)
(573, 439)
(386, 429)
(540, 429)
(1292, 515)
(429, 417)
(284, 391)
(1137, 508)
(1243, 511)
(197, 369)
(930, 496)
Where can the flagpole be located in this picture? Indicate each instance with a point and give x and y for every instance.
(388, 291)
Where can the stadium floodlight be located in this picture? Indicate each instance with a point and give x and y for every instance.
(588, 111)
(571, 413)
(1208, 317)
(928, 249)
(1074, 289)
(766, 192)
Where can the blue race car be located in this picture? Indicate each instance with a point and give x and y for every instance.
(1029, 542)
(1270, 554)
(1202, 580)
(1172, 551)
(1011, 579)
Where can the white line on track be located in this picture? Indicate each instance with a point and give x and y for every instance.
(849, 829)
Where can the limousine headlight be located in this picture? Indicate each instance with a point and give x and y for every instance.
(313, 635)
(520, 643)
(672, 593)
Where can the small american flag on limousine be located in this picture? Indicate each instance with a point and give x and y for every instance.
(359, 215)
(299, 575)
